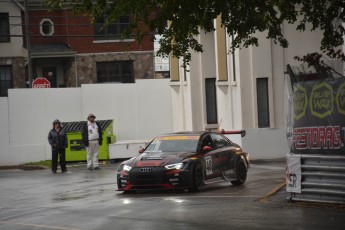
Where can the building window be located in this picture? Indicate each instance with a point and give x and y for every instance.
(233, 62)
(5, 80)
(263, 102)
(4, 28)
(219, 141)
(211, 101)
(47, 27)
(117, 71)
(113, 30)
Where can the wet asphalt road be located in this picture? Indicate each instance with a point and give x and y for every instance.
(82, 199)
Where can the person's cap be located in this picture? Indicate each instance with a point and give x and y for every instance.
(91, 115)
(56, 121)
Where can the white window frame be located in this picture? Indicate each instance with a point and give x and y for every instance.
(51, 27)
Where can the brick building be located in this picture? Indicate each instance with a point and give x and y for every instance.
(68, 49)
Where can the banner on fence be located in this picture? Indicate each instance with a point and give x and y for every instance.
(316, 123)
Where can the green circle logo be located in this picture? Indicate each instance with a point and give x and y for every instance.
(340, 99)
(300, 102)
(321, 100)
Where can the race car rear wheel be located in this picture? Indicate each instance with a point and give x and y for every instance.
(241, 172)
(197, 179)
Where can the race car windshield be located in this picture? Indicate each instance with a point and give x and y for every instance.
(174, 144)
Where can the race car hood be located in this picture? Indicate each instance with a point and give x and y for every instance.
(159, 158)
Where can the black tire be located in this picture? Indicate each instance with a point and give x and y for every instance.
(129, 192)
(197, 179)
(241, 172)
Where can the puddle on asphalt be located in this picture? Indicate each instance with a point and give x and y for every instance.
(73, 196)
(64, 197)
(81, 182)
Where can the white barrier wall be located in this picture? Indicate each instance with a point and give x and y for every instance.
(265, 143)
(4, 130)
(140, 111)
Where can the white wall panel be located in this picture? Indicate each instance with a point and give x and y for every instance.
(21, 154)
(27, 116)
(112, 101)
(265, 143)
(63, 104)
(4, 131)
(140, 111)
(154, 108)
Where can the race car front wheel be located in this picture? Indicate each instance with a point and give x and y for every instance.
(197, 179)
(241, 172)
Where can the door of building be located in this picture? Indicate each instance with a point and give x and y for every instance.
(50, 74)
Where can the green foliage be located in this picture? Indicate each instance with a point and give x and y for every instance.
(241, 18)
(47, 163)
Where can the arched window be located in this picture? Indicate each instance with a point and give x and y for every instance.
(47, 27)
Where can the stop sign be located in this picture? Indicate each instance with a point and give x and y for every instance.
(41, 82)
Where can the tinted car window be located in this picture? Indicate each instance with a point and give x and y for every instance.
(173, 144)
(219, 141)
(206, 141)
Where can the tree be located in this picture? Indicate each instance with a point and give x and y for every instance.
(241, 18)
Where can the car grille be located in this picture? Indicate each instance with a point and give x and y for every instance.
(146, 176)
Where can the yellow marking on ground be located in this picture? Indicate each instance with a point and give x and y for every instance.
(272, 192)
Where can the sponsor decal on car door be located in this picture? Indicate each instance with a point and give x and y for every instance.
(209, 165)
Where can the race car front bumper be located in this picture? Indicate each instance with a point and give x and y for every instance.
(154, 179)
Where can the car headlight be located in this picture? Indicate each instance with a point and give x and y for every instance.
(126, 168)
(174, 166)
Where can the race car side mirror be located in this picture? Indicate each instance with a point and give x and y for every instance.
(207, 148)
(141, 150)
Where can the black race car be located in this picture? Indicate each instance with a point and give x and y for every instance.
(185, 160)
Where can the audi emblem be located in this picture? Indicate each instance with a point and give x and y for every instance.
(145, 169)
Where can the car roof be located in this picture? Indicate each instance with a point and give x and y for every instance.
(188, 133)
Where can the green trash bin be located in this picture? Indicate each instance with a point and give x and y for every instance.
(76, 149)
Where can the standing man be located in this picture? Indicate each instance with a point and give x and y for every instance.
(58, 140)
(92, 138)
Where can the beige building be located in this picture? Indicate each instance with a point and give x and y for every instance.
(244, 90)
(12, 55)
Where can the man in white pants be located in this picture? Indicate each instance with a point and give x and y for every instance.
(92, 138)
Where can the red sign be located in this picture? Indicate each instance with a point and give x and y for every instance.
(41, 83)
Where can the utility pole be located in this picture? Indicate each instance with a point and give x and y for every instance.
(28, 44)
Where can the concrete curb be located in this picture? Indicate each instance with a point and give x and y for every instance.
(24, 167)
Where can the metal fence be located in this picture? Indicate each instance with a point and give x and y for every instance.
(323, 179)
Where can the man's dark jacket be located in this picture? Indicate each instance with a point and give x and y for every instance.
(85, 134)
(57, 140)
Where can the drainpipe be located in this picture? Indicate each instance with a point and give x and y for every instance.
(19, 5)
(28, 44)
(76, 71)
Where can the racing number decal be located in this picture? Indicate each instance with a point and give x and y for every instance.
(208, 161)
